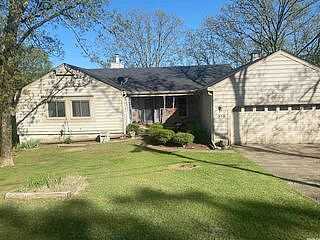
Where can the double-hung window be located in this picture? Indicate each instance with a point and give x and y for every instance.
(56, 108)
(80, 108)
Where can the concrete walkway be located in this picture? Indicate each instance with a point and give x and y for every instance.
(299, 165)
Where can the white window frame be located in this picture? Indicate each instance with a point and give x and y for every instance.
(65, 109)
(81, 117)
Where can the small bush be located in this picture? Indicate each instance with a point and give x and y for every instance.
(153, 127)
(161, 136)
(29, 144)
(195, 128)
(134, 127)
(182, 139)
(156, 125)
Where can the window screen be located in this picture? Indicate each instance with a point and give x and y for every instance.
(81, 108)
(260, 108)
(296, 107)
(307, 107)
(182, 106)
(283, 108)
(272, 108)
(56, 109)
(248, 108)
(169, 102)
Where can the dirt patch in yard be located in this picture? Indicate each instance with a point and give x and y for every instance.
(186, 166)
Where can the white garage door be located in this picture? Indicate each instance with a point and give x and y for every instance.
(277, 124)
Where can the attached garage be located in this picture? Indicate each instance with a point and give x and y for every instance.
(271, 100)
(277, 124)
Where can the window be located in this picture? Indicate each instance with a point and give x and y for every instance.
(182, 106)
(56, 109)
(296, 107)
(81, 108)
(248, 108)
(283, 108)
(307, 107)
(169, 102)
(260, 108)
(272, 108)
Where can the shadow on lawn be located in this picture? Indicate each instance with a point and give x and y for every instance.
(76, 219)
(140, 148)
(241, 218)
(205, 216)
(234, 219)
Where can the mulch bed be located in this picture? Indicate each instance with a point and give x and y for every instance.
(192, 146)
(197, 146)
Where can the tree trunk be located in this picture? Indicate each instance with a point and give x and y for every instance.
(15, 136)
(6, 158)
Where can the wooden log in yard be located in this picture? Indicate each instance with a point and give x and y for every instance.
(37, 195)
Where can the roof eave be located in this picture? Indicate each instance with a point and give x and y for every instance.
(161, 93)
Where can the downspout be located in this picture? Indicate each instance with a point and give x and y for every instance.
(212, 121)
(124, 112)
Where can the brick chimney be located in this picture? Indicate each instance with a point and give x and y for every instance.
(116, 63)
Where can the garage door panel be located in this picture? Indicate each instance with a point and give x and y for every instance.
(271, 127)
(310, 125)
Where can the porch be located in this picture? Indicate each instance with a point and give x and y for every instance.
(163, 109)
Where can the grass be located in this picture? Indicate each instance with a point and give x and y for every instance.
(133, 195)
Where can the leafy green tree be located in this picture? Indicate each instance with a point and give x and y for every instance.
(28, 24)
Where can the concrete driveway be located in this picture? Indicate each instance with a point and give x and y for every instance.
(299, 165)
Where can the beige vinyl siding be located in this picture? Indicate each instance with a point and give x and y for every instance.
(275, 80)
(206, 111)
(107, 110)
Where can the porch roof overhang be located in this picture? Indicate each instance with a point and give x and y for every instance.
(161, 93)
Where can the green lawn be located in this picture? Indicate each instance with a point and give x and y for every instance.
(132, 195)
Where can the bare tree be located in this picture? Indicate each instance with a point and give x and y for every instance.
(25, 24)
(201, 46)
(142, 39)
(266, 25)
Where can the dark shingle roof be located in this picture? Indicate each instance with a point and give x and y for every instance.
(160, 79)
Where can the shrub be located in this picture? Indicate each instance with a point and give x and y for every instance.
(155, 125)
(160, 135)
(195, 128)
(182, 139)
(29, 144)
(134, 127)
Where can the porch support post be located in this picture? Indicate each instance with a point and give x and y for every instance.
(164, 108)
(173, 101)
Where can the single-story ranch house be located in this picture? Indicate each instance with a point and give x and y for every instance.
(273, 99)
